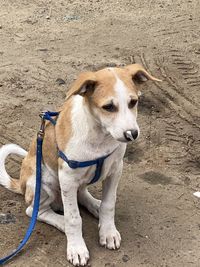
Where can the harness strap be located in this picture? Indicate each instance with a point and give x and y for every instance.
(98, 171)
(36, 203)
(82, 164)
(76, 164)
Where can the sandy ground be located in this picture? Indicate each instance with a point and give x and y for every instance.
(157, 214)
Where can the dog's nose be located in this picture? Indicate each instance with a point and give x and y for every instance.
(131, 135)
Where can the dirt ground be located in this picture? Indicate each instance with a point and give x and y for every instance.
(157, 214)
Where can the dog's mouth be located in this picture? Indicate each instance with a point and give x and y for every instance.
(123, 140)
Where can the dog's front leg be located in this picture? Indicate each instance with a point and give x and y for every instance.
(109, 236)
(77, 252)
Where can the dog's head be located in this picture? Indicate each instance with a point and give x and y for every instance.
(112, 97)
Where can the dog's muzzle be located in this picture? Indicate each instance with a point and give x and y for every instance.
(131, 135)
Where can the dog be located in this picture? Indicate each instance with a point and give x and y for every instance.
(97, 119)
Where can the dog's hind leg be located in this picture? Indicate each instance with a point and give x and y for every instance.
(88, 201)
(46, 214)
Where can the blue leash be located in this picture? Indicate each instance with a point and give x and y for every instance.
(36, 200)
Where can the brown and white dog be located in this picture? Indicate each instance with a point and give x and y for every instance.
(97, 118)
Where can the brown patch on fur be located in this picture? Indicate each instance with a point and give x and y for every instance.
(27, 170)
(63, 125)
(50, 151)
(15, 186)
(60, 163)
(83, 79)
(29, 196)
(135, 69)
(104, 87)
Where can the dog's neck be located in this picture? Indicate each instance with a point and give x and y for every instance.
(88, 137)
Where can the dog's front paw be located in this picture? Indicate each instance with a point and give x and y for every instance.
(109, 237)
(77, 254)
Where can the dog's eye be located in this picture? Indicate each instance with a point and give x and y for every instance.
(132, 103)
(110, 107)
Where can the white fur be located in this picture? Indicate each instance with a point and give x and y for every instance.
(5, 151)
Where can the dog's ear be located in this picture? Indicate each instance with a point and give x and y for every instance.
(139, 74)
(84, 85)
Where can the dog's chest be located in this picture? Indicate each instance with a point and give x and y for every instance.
(86, 174)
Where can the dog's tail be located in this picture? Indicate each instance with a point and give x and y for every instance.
(5, 180)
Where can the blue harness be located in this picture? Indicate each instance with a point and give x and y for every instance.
(71, 163)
